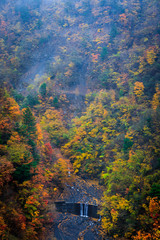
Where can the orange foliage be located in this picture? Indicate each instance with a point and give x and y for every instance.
(13, 108)
(5, 125)
(3, 226)
(95, 57)
(138, 89)
(14, 138)
(6, 170)
(68, 73)
(154, 229)
(123, 18)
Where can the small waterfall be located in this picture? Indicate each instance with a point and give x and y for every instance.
(69, 172)
(81, 209)
(85, 210)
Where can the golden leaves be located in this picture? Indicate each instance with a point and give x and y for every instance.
(138, 89)
(95, 57)
(13, 108)
(156, 99)
(151, 54)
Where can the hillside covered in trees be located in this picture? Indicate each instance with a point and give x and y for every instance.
(82, 77)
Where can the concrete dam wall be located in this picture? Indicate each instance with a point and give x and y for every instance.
(80, 209)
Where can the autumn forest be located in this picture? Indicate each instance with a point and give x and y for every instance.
(80, 105)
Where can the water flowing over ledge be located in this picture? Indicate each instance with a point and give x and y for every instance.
(80, 209)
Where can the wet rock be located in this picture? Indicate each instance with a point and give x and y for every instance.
(71, 227)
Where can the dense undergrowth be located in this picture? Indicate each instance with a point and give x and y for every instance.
(50, 51)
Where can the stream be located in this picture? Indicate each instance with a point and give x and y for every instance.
(70, 226)
(77, 191)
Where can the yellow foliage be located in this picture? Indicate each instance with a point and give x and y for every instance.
(138, 89)
(71, 65)
(83, 26)
(130, 134)
(39, 134)
(93, 132)
(106, 224)
(142, 64)
(116, 205)
(114, 215)
(155, 101)
(65, 25)
(64, 49)
(151, 54)
(13, 108)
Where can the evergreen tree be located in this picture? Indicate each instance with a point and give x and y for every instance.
(29, 129)
(29, 122)
(43, 90)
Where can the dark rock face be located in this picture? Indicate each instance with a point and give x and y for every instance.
(80, 209)
(71, 227)
(71, 222)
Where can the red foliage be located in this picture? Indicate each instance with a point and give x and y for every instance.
(48, 150)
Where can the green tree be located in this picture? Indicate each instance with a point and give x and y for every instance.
(43, 90)
(29, 131)
(104, 53)
(29, 123)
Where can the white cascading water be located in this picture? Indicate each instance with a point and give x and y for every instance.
(69, 172)
(83, 210)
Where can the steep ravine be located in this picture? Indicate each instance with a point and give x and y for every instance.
(71, 227)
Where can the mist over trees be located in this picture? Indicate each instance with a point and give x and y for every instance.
(81, 77)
